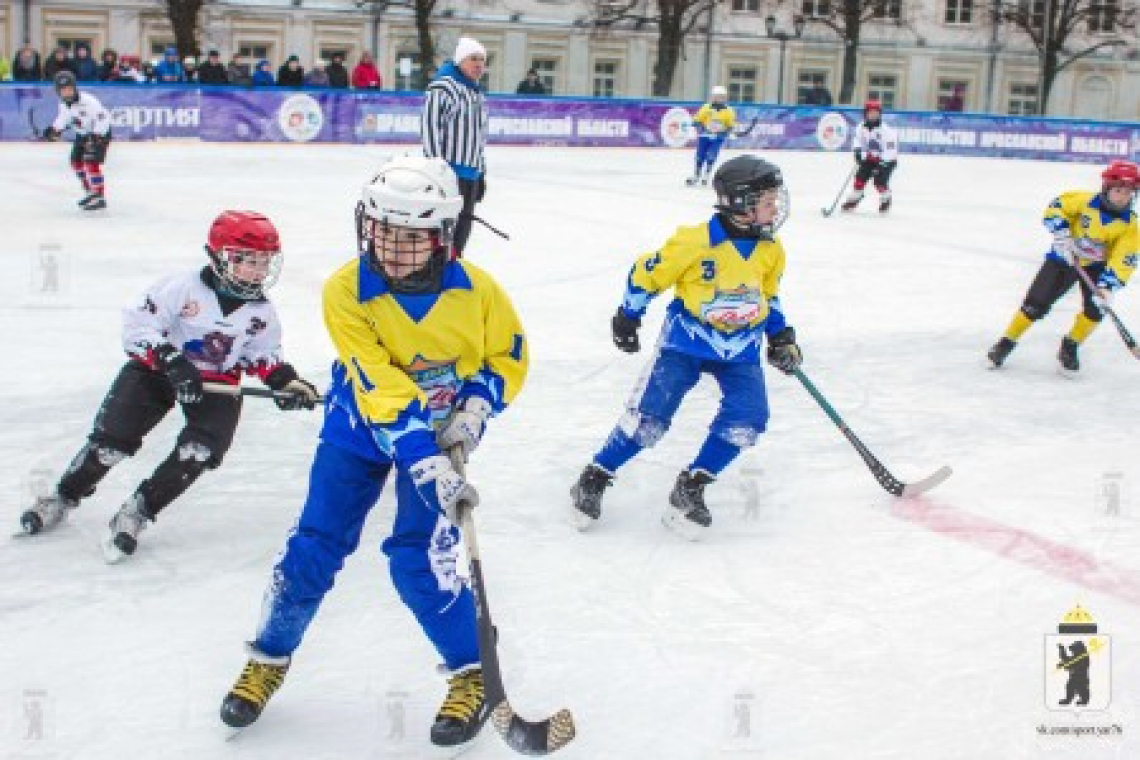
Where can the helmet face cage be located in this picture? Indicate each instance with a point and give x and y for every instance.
(66, 79)
(246, 273)
(410, 259)
(739, 199)
(1120, 174)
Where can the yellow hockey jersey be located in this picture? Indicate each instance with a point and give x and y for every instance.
(404, 361)
(726, 291)
(715, 121)
(1101, 236)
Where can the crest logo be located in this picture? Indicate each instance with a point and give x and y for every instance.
(676, 127)
(439, 382)
(1078, 667)
(831, 131)
(300, 118)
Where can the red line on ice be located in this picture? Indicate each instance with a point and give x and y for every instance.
(1058, 560)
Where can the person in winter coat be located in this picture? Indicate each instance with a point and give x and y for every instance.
(58, 62)
(169, 71)
(189, 69)
(263, 77)
(365, 75)
(317, 76)
(238, 73)
(291, 74)
(108, 67)
(532, 85)
(86, 70)
(212, 71)
(338, 74)
(26, 66)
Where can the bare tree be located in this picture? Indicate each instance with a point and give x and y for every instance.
(674, 20)
(422, 10)
(1060, 30)
(183, 15)
(846, 18)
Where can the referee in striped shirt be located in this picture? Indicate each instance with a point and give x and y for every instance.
(454, 126)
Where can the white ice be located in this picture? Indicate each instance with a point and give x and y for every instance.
(820, 619)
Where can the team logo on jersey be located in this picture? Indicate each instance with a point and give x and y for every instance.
(439, 382)
(1078, 665)
(300, 118)
(149, 305)
(190, 309)
(1091, 249)
(209, 352)
(733, 309)
(256, 325)
(676, 127)
(831, 131)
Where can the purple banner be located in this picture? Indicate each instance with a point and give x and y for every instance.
(223, 114)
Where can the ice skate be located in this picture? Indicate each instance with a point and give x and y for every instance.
(261, 678)
(125, 526)
(1000, 352)
(587, 494)
(884, 205)
(1067, 356)
(464, 710)
(687, 514)
(690, 181)
(851, 202)
(96, 203)
(86, 199)
(46, 513)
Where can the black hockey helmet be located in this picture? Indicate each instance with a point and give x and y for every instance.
(66, 79)
(740, 181)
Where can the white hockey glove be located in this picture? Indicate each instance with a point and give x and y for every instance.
(442, 487)
(1102, 299)
(1065, 247)
(465, 427)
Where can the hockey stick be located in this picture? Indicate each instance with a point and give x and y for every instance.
(1126, 336)
(888, 481)
(524, 737)
(241, 390)
(748, 131)
(831, 210)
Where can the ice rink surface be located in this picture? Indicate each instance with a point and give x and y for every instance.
(821, 619)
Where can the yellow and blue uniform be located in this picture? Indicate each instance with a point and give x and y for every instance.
(403, 363)
(1106, 244)
(726, 300)
(713, 122)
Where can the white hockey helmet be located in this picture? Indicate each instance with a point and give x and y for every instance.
(409, 194)
(719, 92)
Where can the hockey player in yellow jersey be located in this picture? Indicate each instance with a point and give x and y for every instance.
(1095, 231)
(428, 349)
(725, 274)
(713, 122)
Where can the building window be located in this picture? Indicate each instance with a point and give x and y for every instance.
(605, 78)
(407, 75)
(808, 80)
(255, 51)
(1103, 15)
(1022, 99)
(953, 94)
(816, 8)
(547, 69)
(746, 6)
(959, 11)
(742, 84)
(70, 43)
(887, 10)
(1033, 11)
(882, 87)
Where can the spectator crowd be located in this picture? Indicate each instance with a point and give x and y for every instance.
(28, 66)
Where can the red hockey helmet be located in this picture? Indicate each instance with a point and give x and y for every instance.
(245, 253)
(872, 105)
(1120, 174)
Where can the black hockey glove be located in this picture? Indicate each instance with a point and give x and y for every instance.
(302, 393)
(783, 353)
(183, 375)
(50, 134)
(625, 332)
(858, 156)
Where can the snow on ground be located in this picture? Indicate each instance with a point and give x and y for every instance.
(820, 620)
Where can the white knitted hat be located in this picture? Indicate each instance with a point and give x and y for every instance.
(468, 47)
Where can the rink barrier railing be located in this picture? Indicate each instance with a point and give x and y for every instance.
(243, 114)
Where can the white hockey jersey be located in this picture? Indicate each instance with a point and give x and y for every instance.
(882, 142)
(85, 116)
(184, 311)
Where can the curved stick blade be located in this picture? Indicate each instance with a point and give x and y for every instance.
(539, 738)
(927, 483)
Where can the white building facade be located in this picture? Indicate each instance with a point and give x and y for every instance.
(912, 60)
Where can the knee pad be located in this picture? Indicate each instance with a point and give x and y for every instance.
(643, 430)
(106, 456)
(198, 454)
(1034, 311)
